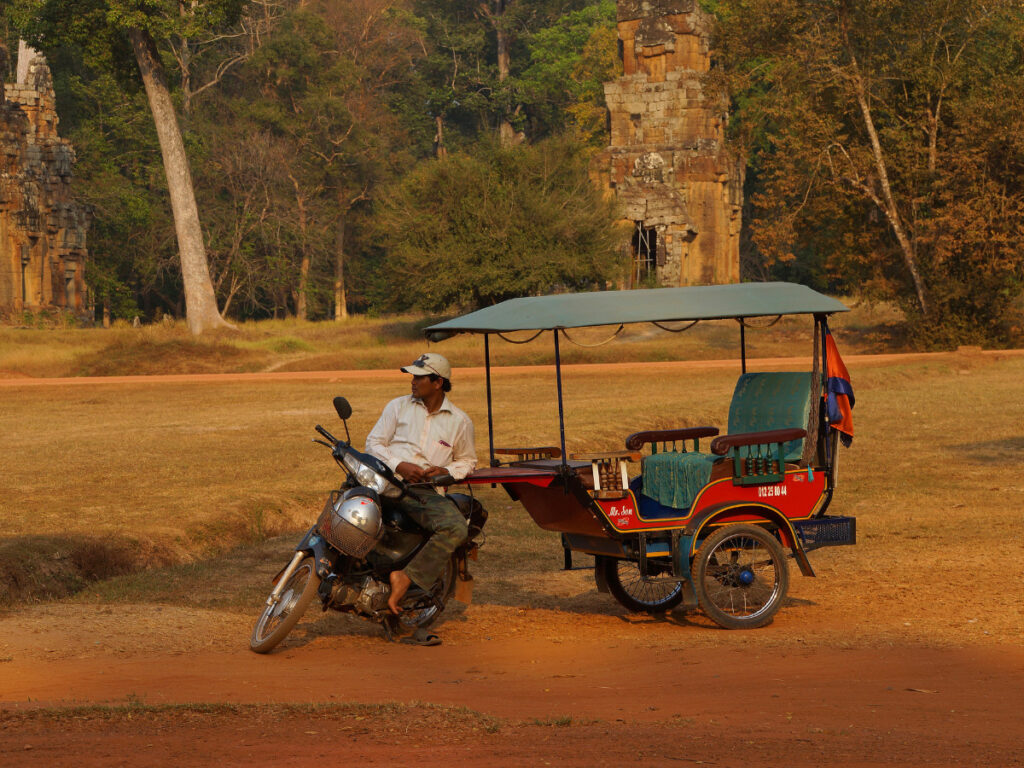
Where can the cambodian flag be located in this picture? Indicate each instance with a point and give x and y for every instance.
(838, 391)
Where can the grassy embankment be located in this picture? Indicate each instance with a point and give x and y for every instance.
(366, 343)
(151, 480)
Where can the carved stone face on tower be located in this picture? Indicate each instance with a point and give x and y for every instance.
(655, 32)
(649, 167)
(641, 9)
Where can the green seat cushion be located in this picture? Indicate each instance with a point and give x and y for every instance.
(674, 479)
(771, 400)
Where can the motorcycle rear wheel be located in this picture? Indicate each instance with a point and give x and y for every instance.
(277, 620)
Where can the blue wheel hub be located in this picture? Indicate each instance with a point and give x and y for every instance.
(746, 577)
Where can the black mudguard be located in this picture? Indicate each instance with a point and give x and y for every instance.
(314, 545)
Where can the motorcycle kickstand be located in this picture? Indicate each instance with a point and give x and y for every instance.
(391, 627)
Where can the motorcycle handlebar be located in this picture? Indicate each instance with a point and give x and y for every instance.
(326, 434)
(432, 481)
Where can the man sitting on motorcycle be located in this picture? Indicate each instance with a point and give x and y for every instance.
(420, 436)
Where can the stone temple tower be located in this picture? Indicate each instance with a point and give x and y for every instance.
(42, 228)
(667, 164)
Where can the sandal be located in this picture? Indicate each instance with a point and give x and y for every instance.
(421, 637)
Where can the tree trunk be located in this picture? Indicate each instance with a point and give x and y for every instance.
(440, 151)
(933, 136)
(340, 300)
(506, 132)
(300, 295)
(889, 208)
(230, 297)
(200, 300)
(304, 265)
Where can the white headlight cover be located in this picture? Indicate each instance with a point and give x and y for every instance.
(368, 477)
(351, 462)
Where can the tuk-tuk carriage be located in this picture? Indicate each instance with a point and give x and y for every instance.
(709, 524)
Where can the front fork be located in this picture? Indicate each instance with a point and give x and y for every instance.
(311, 544)
(285, 577)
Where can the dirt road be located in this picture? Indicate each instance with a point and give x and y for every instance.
(382, 375)
(543, 687)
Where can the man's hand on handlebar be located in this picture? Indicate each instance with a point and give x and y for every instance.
(412, 473)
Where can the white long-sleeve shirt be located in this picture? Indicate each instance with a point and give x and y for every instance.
(406, 432)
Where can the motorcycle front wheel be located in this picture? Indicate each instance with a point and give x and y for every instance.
(277, 620)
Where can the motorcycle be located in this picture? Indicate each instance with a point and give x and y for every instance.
(345, 559)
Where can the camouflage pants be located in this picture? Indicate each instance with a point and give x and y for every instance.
(438, 514)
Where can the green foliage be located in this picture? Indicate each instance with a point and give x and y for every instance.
(119, 175)
(295, 120)
(562, 86)
(456, 81)
(307, 139)
(56, 22)
(309, 148)
(477, 229)
(556, 62)
(886, 147)
(87, 43)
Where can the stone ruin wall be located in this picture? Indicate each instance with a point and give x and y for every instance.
(42, 228)
(667, 164)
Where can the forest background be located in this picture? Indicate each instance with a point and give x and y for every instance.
(375, 156)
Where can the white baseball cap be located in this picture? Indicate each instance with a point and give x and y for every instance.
(429, 363)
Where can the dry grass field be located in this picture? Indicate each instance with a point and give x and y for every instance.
(104, 480)
(141, 521)
(373, 343)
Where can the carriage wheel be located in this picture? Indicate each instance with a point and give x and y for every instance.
(629, 588)
(741, 576)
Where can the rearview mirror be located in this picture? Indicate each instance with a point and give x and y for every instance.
(342, 407)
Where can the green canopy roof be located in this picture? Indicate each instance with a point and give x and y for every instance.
(580, 310)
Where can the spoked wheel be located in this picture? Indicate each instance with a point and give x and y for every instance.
(628, 587)
(277, 620)
(420, 612)
(741, 576)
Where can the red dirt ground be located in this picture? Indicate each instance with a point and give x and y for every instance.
(609, 691)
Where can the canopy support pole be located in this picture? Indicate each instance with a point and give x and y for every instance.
(821, 330)
(814, 451)
(743, 346)
(490, 413)
(561, 414)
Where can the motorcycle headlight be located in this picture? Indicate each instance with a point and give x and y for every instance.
(351, 463)
(366, 476)
(369, 477)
